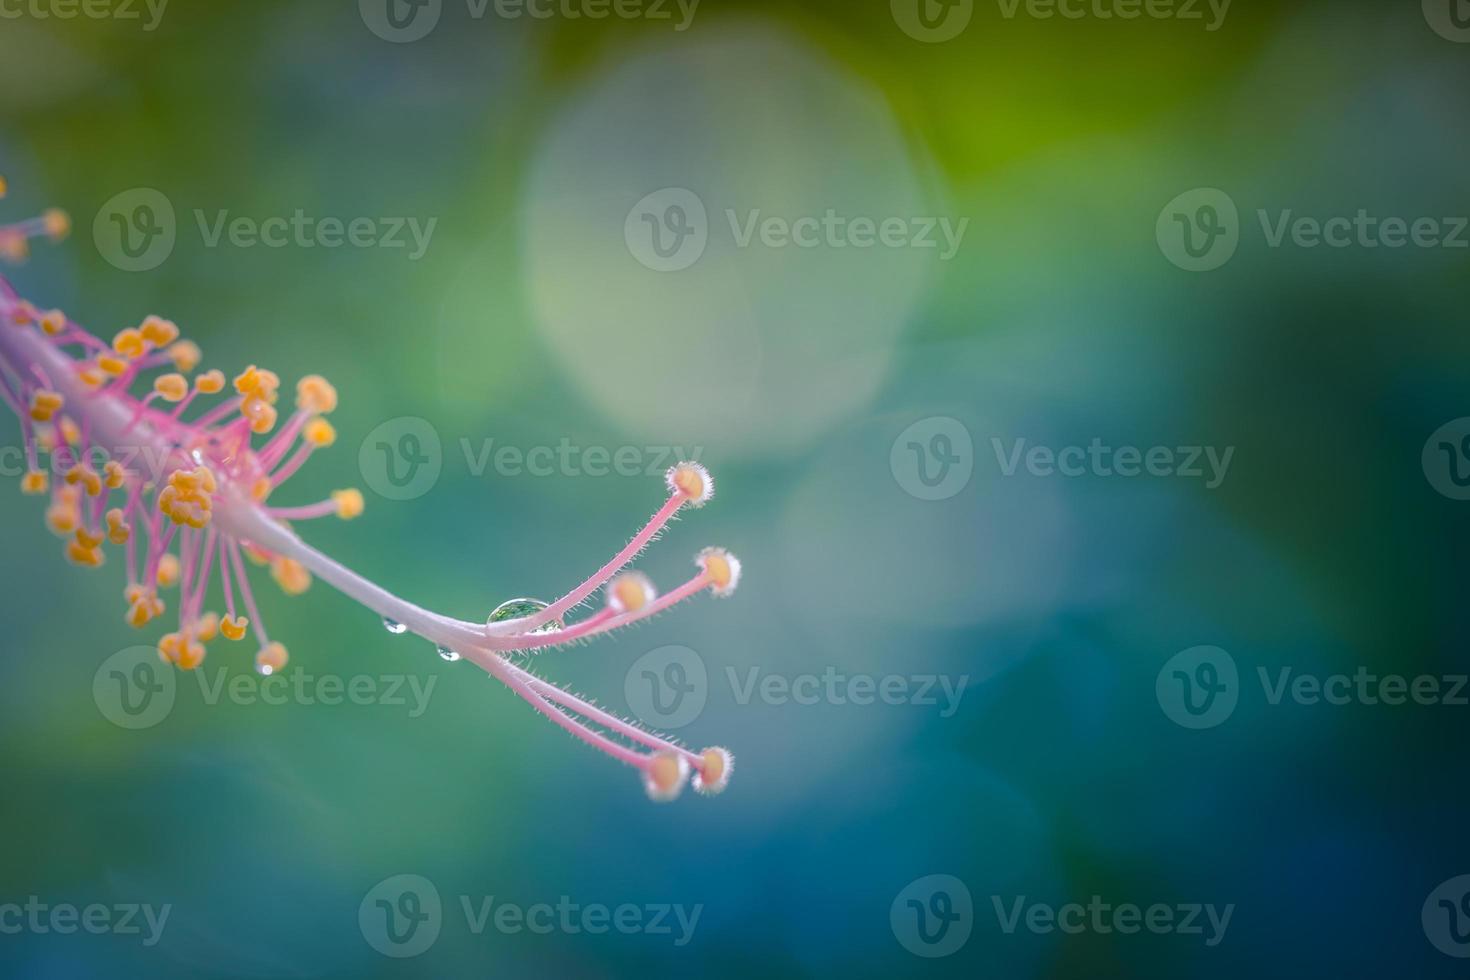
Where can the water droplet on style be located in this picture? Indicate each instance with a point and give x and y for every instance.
(519, 609)
(448, 654)
(394, 627)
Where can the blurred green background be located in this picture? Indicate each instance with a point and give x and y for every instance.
(536, 316)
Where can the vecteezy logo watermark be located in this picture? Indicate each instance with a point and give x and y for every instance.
(133, 689)
(1446, 459)
(933, 459)
(932, 21)
(64, 919)
(402, 458)
(668, 231)
(1199, 230)
(1446, 917)
(1101, 460)
(402, 21)
(1450, 19)
(1198, 687)
(401, 916)
(90, 9)
(1104, 918)
(137, 231)
(669, 688)
(932, 916)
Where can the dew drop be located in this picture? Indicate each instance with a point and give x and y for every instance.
(448, 654)
(519, 609)
(394, 627)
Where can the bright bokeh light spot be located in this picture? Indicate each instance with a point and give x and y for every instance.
(754, 348)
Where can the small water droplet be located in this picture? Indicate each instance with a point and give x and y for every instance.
(519, 609)
(394, 627)
(448, 654)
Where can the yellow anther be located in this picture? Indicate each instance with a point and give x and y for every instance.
(290, 575)
(57, 223)
(721, 568)
(186, 355)
(143, 606)
(349, 503)
(14, 247)
(171, 387)
(93, 483)
(169, 646)
(168, 571)
(207, 627)
(271, 659)
(114, 475)
(70, 432)
(715, 766)
(87, 539)
(53, 322)
(81, 555)
(186, 499)
(46, 438)
(262, 415)
(112, 365)
(130, 344)
(87, 477)
(23, 314)
(315, 394)
(692, 482)
(4, 187)
(90, 374)
(64, 514)
(630, 592)
(319, 433)
(254, 382)
(34, 482)
(234, 629)
(191, 654)
(210, 382)
(118, 531)
(665, 776)
(261, 488)
(158, 331)
(45, 404)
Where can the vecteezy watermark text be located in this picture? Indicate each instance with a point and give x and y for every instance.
(1104, 918)
(65, 919)
(669, 230)
(405, 21)
(1201, 229)
(88, 9)
(1201, 687)
(138, 229)
(403, 916)
(935, 21)
(668, 687)
(1099, 459)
